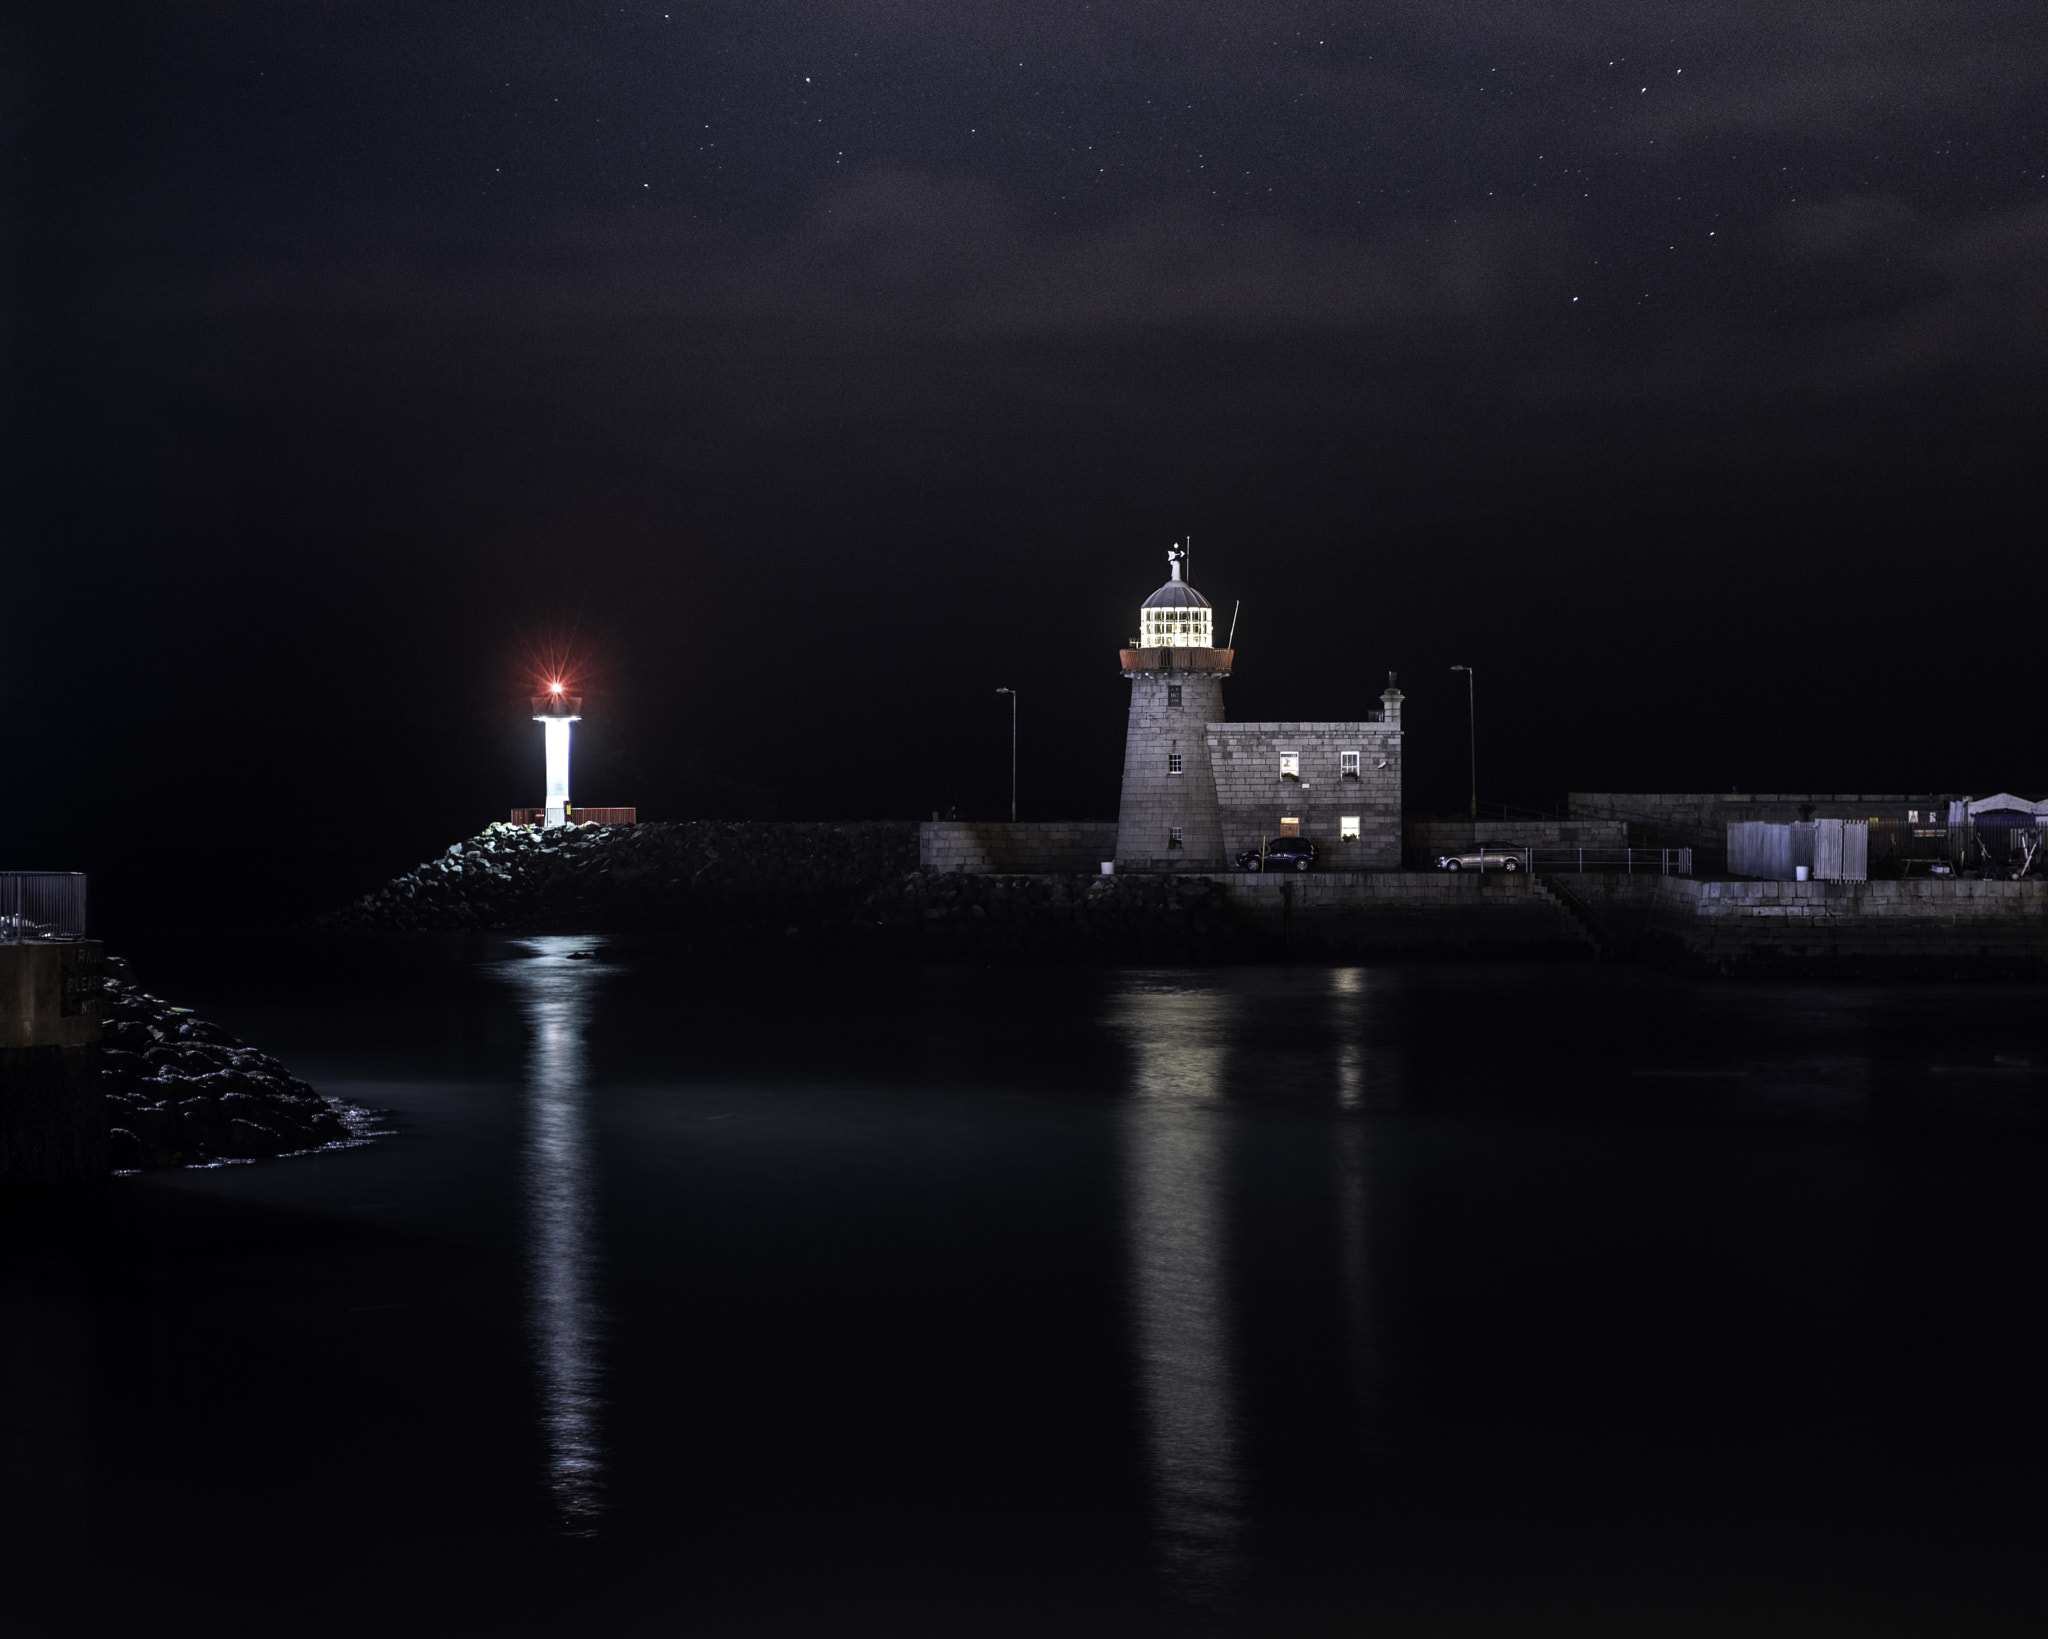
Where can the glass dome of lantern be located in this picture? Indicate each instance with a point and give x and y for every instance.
(1176, 616)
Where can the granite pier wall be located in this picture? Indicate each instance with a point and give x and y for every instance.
(747, 893)
(1436, 913)
(1223, 916)
(1938, 927)
(1916, 928)
(1927, 928)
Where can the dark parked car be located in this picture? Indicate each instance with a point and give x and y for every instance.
(1490, 859)
(1282, 854)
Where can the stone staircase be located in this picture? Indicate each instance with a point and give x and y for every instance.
(1577, 915)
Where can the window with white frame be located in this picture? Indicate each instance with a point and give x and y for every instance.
(1175, 628)
(1347, 828)
(1348, 765)
(1173, 836)
(1290, 765)
(1173, 762)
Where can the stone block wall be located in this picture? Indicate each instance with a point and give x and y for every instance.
(1404, 912)
(1157, 796)
(1201, 917)
(1252, 796)
(1918, 924)
(1616, 907)
(1441, 836)
(981, 847)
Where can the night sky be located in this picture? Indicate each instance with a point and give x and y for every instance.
(809, 371)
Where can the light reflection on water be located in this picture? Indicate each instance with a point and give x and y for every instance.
(1639, 1281)
(1175, 1129)
(1349, 988)
(565, 1320)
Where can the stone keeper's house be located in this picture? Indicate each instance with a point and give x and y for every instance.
(1199, 790)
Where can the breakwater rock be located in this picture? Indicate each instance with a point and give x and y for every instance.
(710, 873)
(181, 1091)
(760, 890)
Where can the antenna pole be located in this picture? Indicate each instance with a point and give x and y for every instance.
(1239, 604)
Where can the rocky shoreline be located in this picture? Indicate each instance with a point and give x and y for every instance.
(181, 1091)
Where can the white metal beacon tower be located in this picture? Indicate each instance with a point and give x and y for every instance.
(555, 711)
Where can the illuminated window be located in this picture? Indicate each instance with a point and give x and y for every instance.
(1176, 628)
(1348, 765)
(1912, 816)
(1290, 825)
(1173, 694)
(1347, 828)
(1173, 762)
(1173, 836)
(1290, 765)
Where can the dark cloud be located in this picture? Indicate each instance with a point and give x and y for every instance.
(1839, 292)
(1892, 295)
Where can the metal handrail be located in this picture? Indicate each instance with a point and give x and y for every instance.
(1662, 861)
(1644, 861)
(41, 905)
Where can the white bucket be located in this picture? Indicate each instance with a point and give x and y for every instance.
(1801, 873)
(1109, 867)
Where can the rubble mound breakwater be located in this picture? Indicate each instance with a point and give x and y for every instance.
(575, 879)
(723, 889)
(181, 1091)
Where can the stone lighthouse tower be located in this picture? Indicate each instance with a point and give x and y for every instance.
(1168, 817)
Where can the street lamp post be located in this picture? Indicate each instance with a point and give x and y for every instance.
(1472, 728)
(1012, 693)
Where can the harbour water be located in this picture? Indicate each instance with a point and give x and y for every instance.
(1446, 1299)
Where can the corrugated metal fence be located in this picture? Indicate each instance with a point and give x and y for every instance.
(1832, 850)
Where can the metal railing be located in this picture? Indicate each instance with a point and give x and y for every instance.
(1632, 861)
(41, 905)
(579, 816)
(1496, 857)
